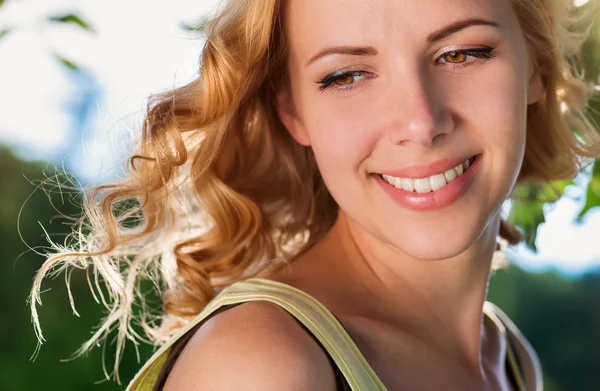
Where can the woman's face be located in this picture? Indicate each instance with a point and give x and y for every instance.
(411, 89)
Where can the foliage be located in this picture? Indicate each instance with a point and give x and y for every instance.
(529, 200)
(33, 195)
(592, 196)
(73, 19)
(68, 18)
(560, 318)
(196, 27)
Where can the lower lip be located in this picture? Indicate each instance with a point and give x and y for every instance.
(434, 199)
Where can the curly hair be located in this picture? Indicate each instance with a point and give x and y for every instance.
(219, 191)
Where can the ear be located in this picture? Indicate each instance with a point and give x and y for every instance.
(286, 110)
(536, 87)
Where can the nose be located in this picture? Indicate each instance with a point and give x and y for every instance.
(419, 112)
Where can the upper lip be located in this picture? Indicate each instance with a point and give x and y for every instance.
(416, 171)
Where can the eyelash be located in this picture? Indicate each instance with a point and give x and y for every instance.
(482, 53)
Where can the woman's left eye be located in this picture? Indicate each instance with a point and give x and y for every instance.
(460, 57)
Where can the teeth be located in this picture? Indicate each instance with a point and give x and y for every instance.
(432, 183)
(407, 184)
(437, 181)
(459, 169)
(450, 175)
(422, 185)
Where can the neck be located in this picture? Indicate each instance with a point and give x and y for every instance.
(439, 302)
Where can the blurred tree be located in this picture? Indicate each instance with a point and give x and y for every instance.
(33, 195)
(560, 318)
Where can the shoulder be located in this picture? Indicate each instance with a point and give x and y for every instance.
(253, 346)
(528, 358)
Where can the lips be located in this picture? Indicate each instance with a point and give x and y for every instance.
(429, 183)
(423, 199)
(419, 171)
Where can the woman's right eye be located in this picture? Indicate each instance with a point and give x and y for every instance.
(341, 80)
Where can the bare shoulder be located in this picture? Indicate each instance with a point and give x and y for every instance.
(528, 358)
(253, 346)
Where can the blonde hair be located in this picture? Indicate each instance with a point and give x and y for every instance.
(219, 191)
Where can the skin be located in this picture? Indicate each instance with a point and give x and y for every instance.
(409, 286)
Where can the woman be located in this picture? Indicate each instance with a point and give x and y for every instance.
(354, 156)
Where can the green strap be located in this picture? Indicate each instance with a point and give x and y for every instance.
(311, 313)
(321, 323)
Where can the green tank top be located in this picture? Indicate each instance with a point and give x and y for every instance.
(317, 319)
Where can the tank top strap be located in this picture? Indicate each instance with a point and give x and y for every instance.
(512, 360)
(321, 323)
(324, 326)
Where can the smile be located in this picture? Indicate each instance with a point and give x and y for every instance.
(446, 183)
(431, 183)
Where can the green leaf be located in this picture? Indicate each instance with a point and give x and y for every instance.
(592, 194)
(1, 3)
(4, 32)
(541, 192)
(528, 214)
(194, 27)
(67, 63)
(560, 186)
(72, 18)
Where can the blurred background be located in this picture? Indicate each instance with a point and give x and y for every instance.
(74, 78)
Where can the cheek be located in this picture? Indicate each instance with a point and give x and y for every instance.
(496, 111)
(340, 134)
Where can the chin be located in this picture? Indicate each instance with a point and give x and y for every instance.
(430, 251)
(442, 241)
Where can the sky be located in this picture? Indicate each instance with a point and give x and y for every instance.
(138, 48)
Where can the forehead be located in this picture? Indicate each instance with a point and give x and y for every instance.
(312, 23)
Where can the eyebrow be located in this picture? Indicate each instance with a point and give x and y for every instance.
(347, 50)
(457, 26)
(433, 37)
